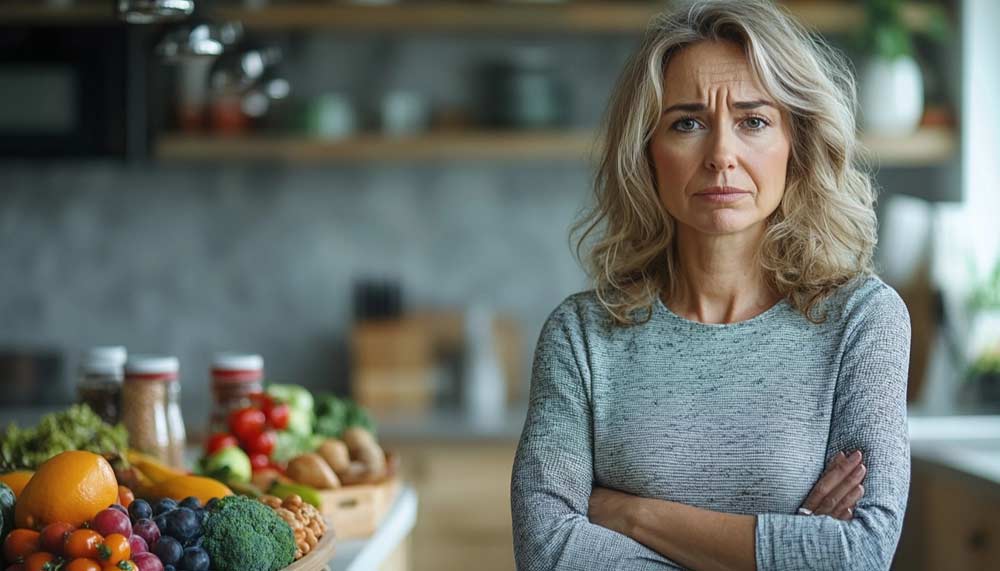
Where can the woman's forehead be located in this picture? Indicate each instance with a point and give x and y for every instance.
(698, 71)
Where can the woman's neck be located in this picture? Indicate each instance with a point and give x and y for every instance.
(720, 279)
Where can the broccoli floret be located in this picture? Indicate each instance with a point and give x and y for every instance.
(242, 534)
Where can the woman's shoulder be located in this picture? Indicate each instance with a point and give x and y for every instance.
(578, 310)
(869, 300)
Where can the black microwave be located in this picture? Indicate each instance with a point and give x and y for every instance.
(74, 91)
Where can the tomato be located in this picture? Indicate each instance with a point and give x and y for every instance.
(259, 461)
(40, 561)
(128, 565)
(115, 548)
(219, 441)
(263, 443)
(246, 423)
(21, 543)
(83, 565)
(263, 401)
(277, 416)
(125, 496)
(54, 536)
(83, 543)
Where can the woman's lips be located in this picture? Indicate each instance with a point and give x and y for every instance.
(723, 195)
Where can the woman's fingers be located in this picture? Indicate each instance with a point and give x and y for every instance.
(845, 509)
(835, 483)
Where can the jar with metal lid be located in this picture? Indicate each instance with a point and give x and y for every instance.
(100, 381)
(150, 408)
(235, 377)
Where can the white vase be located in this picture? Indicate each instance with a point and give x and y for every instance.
(891, 96)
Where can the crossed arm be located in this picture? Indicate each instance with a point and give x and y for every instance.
(552, 482)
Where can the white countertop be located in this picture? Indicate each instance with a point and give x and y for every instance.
(367, 554)
(970, 444)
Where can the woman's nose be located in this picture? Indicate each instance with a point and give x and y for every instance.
(721, 154)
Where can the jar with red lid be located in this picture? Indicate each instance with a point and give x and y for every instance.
(235, 377)
(151, 408)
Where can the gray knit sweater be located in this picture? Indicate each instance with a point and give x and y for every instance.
(738, 418)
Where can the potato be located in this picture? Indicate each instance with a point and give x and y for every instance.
(336, 454)
(311, 470)
(364, 448)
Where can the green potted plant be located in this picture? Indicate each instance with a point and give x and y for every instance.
(984, 338)
(891, 89)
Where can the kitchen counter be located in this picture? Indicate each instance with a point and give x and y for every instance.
(966, 444)
(371, 553)
(452, 425)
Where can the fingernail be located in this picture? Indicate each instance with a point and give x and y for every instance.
(856, 455)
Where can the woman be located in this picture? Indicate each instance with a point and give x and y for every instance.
(683, 412)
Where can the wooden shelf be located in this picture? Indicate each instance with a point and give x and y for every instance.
(607, 17)
(827, 16)
(437, 146)
(927, 147)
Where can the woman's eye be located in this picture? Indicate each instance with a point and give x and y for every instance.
(756, 123)
(685, 125)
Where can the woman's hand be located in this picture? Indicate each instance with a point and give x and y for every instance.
(839, 489)
(612, 509)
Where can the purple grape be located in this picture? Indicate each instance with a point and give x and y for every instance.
(138, 545)
(147, 562)
(146, 529)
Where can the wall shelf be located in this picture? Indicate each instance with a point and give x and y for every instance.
(456, 146)
(928, 147)
(827, 16)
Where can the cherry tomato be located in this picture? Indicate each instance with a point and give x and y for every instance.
(125, 496)
(263, 443)
(115, 548)
(263, 401)
(128, 565)
(82, 565)
(40, 561)
(277, 416)
(246, 423)
(54, 536)
(219, 441)
(21, 543)
(259, 461)
(83, 544)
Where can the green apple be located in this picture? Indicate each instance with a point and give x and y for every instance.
(230, 463)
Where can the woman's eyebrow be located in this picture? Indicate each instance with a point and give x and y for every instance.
(694, 107)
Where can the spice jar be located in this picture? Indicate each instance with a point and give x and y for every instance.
(100, 381)
(234, 378)
(150, 389)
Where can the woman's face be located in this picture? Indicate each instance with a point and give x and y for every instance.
(719, 133)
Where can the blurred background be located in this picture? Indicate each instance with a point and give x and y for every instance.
(375, 197)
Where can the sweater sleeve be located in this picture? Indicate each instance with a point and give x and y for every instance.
(553, 473)
(869, 414)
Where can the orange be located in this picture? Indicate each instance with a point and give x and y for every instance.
(16, 480)
(198, 486)
(69, 487)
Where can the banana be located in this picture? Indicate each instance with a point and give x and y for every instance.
(152, 468)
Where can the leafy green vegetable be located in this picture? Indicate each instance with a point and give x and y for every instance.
(76, 428)
(242, 534)
(289, 445)
(334, 414)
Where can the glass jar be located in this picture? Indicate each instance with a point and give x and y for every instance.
(100, 381)
(234, 378)
(151, 384)
(175, 426)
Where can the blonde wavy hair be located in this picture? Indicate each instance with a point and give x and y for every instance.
(823, 233)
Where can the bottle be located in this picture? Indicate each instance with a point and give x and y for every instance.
(100, 381)
(483, 391)
(150, 389)
(235, 377)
